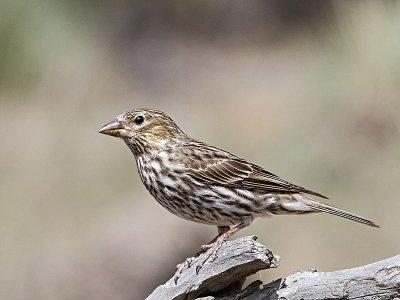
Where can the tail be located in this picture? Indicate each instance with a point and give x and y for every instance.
(319, 206)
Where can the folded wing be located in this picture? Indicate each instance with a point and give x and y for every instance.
(218, 167)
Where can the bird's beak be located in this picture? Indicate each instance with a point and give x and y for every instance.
(115, 128)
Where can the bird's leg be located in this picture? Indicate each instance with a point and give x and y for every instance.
(212, 252)
(188, 261)
(221, 231)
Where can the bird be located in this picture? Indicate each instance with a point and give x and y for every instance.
(205, 184)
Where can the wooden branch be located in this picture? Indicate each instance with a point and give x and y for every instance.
(223, 278)
(377, 281)
(236, 260)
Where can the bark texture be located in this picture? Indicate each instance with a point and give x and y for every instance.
(237, 259)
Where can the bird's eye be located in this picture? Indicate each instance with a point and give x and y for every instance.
(139, 120)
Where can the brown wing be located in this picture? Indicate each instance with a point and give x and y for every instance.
(264, 180)
(218, 167)
(221, 171)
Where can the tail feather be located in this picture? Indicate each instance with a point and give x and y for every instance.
(335, 211)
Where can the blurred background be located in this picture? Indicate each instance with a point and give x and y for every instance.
(309, 90)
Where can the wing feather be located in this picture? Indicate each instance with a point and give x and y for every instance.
(222, 168)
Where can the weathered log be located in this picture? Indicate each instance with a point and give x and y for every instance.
(223, 278)
(376, 281)
(236, 260)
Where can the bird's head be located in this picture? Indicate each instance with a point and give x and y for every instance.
(145, 130)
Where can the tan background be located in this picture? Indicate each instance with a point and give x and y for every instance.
(309, 90)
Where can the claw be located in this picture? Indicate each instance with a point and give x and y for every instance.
(211, 256)
(211, 249)
(204, 248)
(211, 253)
(182, 267)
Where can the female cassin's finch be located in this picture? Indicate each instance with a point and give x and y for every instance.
(204, 184)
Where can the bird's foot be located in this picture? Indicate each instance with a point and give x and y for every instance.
(204, 248)
(188, 262)
(211, 254)
(181, 267)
